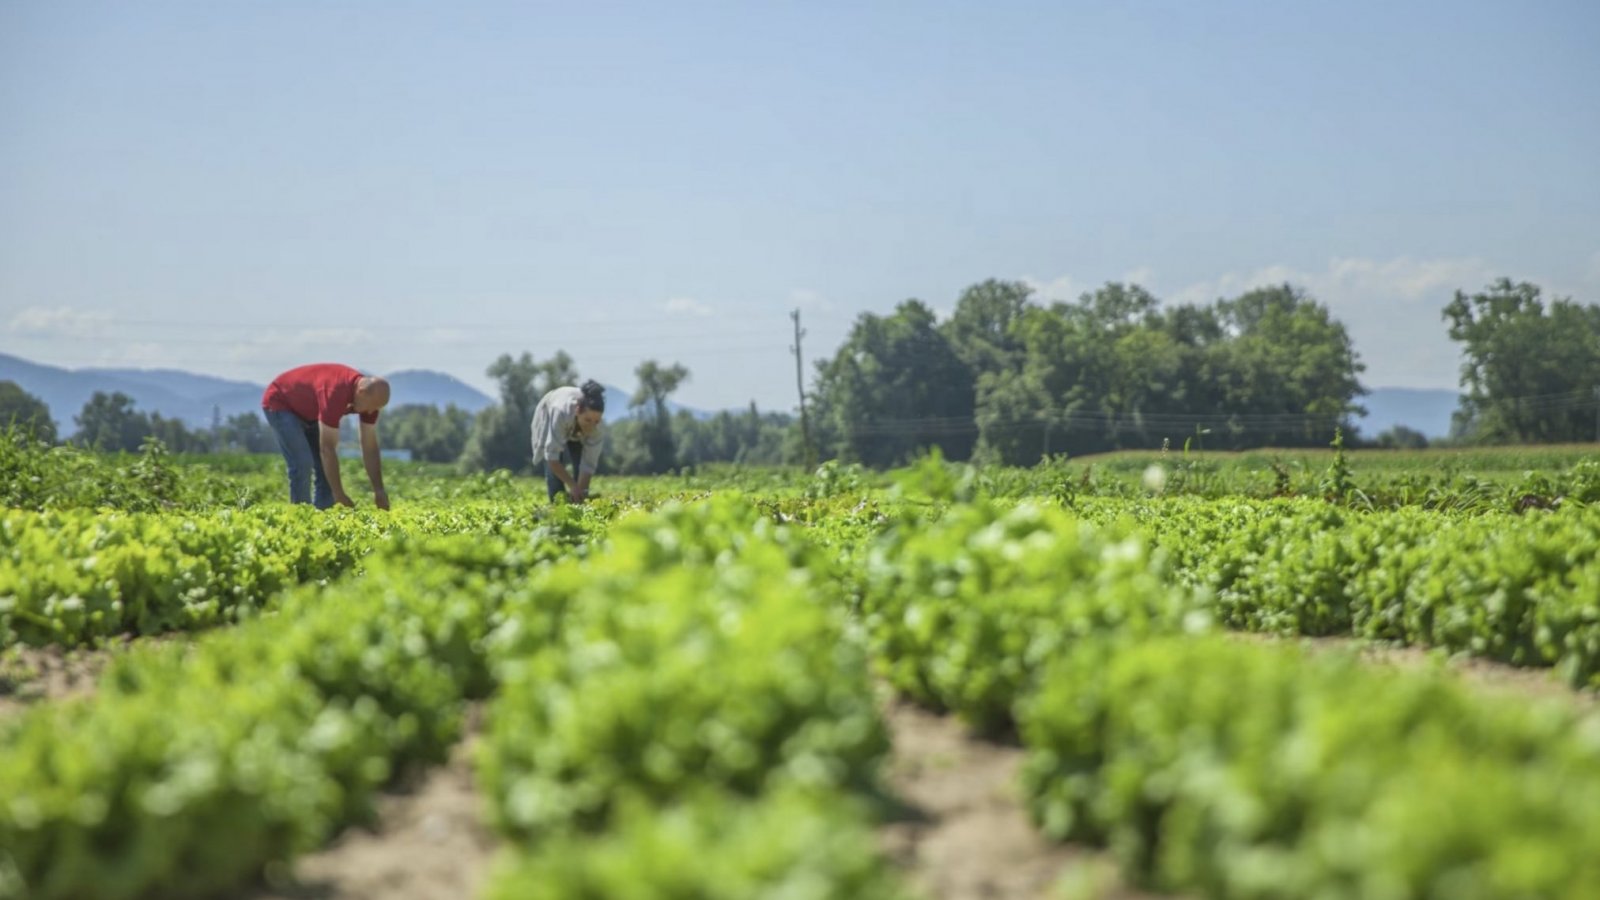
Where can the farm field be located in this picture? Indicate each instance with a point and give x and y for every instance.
(1317, 674)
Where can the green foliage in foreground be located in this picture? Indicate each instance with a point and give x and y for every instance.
(965, 610)
(1523, 590)
(659, 692)
(712, 846)
(71, 577)
(35, 475)
(195, 766)
(686, 714)
(1256, 771)
(667, 672)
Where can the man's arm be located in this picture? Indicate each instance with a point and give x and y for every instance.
(329, 442)
(373, 460)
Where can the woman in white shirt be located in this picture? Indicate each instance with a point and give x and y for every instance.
(567, 431)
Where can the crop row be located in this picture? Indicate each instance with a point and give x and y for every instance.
(1523, 590)
(1214, 765)
(1246, 770)
(193, 768)
(687, 711)
(685, 703)
(70, 577)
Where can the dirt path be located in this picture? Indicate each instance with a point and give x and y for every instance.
(1489, 676)
(430, 843)
(30, 675)
(966, 834)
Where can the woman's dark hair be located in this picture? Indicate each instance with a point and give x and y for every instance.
(594, 396)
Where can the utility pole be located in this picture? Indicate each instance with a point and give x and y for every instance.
(800, 385)
(1597, 415)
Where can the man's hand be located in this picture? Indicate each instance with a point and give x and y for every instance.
(381, 498)
(578, 494)
(343, 499)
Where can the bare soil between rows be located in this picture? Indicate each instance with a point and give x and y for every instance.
(30, 675)
(430, 840)
(963, 833)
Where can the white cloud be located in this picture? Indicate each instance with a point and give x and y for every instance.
(1065, 289)
(1353, 280)
(258, 350)
(1143, 276)
(271, 347)
(60, 322)
(1230, 284)
(686, 306)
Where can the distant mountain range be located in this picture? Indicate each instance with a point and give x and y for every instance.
(196, 398)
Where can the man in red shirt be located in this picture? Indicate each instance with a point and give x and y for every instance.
(304, 407)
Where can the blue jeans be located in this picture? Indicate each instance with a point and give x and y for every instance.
(301, 443)
(570, 458)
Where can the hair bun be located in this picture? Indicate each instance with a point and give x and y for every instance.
(594, 395)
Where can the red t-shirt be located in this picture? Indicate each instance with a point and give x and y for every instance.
(322, 392)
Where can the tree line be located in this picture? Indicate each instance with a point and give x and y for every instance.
(647, 438)
(1005, 379)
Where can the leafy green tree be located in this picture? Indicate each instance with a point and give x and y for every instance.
(1125, 368)
(1530, 371)
(109, 422)
(895, 388)
(20, 409)
(246, 433)
(1113, 369)
(178, 437)
(649, 405)
(1288, 372)
(985, 333)
(557, 371)
(746, 437)
(430, 433)
(981, 330)
(1402, 438)
(1069, 395)
(1013, 417)
(500, 438)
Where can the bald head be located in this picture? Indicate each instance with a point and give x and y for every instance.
(372, 394)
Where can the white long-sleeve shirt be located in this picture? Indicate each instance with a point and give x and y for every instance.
(555, 422)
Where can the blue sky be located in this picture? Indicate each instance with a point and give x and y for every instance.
(237, 188)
